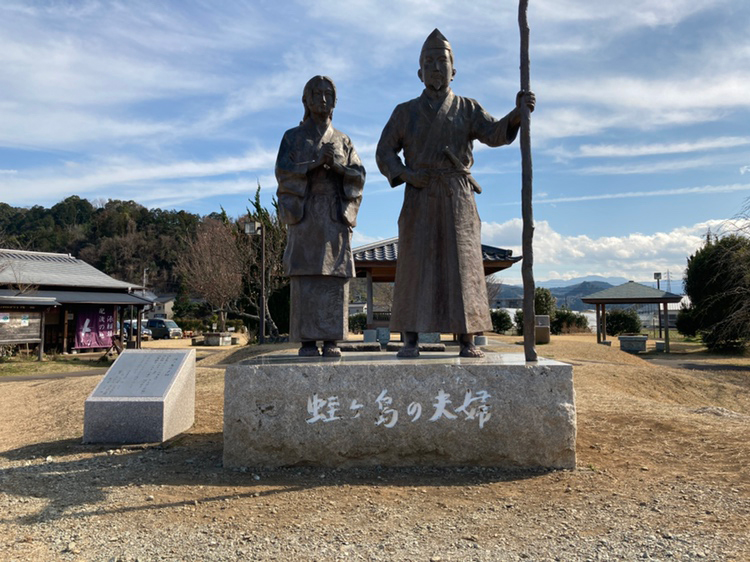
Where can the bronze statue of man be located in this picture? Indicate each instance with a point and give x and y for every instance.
(440, 282)
(320, 181)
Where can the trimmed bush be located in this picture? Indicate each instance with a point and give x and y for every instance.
(623, 321)
(501, 321)
(357, 323)
(567, 322)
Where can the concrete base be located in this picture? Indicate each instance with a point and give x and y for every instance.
(217, 339)
(375, 409)
(396, 346)
(145, 397)
(359, 346)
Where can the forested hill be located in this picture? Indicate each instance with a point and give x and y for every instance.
(120, 238)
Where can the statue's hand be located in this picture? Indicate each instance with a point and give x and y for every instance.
(526, 98)
(328, 153)
(419, 179)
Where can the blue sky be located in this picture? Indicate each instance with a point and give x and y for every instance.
(641, 137)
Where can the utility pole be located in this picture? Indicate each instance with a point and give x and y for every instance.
(657, 276)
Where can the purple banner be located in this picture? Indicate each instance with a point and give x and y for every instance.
(95, 326)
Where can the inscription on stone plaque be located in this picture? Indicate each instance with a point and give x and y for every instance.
(140, 374)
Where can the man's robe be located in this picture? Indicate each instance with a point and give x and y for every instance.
(440, 282)
(320, 208)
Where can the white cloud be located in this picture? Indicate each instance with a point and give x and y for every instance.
(52, 185)
(361, 239)
(654, 167)
(650, 149)
(635, 256)
(703, 190)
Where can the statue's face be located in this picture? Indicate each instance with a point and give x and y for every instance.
(321, 98)
(436, 68)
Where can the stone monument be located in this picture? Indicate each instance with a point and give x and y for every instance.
(370, 409)
(440, 285)
(145, 397)
(320, 181)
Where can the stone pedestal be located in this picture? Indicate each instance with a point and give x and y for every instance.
(145, 397)
(429, 337)
(542, 329)
(370, 336)
(633, 344)
(383, 336)
(375, 409)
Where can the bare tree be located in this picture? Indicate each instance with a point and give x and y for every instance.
(382, 295)
(212, 266)
(494, 287)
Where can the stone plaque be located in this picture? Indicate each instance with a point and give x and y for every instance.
(145, 397)
(374, 409)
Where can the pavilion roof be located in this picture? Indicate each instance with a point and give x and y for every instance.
(387, 251)
(631, 292)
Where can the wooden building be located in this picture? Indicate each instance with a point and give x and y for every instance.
(74, 305)
(377, 263)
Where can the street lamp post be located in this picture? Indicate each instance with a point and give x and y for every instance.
(657, 276)
(253, 229)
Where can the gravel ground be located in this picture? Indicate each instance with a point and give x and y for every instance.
(663, 474)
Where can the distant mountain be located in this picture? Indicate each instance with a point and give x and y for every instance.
(569, 296)
(557, 283)
(569, 293)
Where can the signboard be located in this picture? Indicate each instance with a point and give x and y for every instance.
(20, 326)
(95, 326)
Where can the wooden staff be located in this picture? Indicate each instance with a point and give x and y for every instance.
(527, 267)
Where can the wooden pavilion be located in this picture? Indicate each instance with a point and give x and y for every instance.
(377, 262)
(629, 293)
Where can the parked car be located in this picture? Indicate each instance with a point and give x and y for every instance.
(164, 329)
(145, 332)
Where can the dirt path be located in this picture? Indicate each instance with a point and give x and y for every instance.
(663, 473)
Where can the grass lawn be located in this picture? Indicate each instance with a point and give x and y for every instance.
(18, 366)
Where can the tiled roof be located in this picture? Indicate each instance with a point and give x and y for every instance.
(59, 270)
(632, 292)
(387, 250)
(80, 297)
